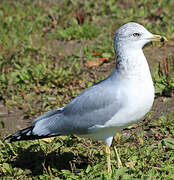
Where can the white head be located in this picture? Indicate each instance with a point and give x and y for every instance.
(134, 35)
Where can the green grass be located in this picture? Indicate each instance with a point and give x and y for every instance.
(145, 155)
(44, 46)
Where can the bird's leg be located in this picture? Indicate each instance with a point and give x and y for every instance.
(108, 154)
(118, 158)
(116, 137)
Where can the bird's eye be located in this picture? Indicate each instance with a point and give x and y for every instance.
(136, 34)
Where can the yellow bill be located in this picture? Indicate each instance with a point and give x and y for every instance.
(158, 38)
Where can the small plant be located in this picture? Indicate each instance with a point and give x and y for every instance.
(164, 82)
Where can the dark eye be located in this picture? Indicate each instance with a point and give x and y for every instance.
(136, 34)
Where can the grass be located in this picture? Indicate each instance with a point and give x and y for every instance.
(44, 47)
(149, 154)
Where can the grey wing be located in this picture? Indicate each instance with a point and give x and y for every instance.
(95, 106)
(48, 114)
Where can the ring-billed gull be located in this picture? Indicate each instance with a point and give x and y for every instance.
(108, 106)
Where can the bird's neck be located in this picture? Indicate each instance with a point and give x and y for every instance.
(132, 62)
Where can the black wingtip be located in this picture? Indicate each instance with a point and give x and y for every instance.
(24, 134)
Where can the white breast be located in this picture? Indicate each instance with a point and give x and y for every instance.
(136, 99)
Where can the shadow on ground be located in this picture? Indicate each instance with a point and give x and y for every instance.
(37, 162)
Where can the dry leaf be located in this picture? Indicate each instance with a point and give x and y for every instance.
(97, 54)
(97, 62)
(130, 164)
(48, 139)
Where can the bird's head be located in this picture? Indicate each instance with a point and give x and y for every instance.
(135, 35)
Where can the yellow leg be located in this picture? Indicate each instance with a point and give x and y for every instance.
(108, 154)
(116, 138)
(118, 158)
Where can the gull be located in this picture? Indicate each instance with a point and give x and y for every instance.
(107, 107)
